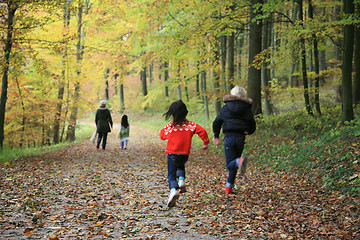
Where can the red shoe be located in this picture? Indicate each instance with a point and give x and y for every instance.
(228, 190)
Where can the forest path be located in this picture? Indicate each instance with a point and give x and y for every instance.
(83, 193)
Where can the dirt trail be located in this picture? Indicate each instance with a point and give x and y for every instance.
(84, 193)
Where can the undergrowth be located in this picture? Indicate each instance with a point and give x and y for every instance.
(317, 148)
(8, 154)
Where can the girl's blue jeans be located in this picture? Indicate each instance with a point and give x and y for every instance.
(234, 146)
(176, 168)
(123, 143)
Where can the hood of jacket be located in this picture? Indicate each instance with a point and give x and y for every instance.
(237, 104)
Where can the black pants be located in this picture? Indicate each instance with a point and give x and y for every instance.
(102, 136)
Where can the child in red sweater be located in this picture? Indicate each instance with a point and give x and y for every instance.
(179, 134)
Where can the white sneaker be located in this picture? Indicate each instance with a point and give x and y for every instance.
(172, 198)
(182, 186)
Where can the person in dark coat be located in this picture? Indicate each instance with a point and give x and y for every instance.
(103, 123)
(237, 120)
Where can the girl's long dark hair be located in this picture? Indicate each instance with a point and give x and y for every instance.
(124, 121)
(177, 111)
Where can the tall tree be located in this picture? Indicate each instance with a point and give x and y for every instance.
(11, 10)
(316, 61)
(231, 60)
(303, 60)
(254, 71)
(166, 78)
(356, 84)
(266, 44)
(62, 79)
(349, 30)
(83, 7)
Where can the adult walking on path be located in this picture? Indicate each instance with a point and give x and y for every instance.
(103, 123)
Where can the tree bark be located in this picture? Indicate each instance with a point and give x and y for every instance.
(266, 43)
(12, 7)
(143, 82)
(356, 83)
(347, 111)
(166, 78)
(203, 90)
(79, 55)
(254, 73)
(61, 85)
(303, 62)
(230, 61)
(216, 79)
(316, 61)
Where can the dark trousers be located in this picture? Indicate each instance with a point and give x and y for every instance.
(234, 146)
(103, 137)
(176, 168)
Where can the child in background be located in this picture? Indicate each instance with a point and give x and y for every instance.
(179, 133)
(124, 132)
(237, 120)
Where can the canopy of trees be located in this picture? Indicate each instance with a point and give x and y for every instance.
(61, 57)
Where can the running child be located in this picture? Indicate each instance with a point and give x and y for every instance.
(179, 133)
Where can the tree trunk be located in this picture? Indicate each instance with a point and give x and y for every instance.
(121, 94)
(12, 7)
(61, 86)
(143, 82)
(316, 61)
(216, 80)
(230, 61)
(79, 55)
(150, 74)
(266, 43)
(254, 74)
(107, 96)
(203, 90)
(356, 84)
(223, 43)
(303, 62)
(347, 111)
(293, 52)
(166, 77)
(178, 87)
(240, 45)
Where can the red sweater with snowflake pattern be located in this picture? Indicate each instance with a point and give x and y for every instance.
(179, 137)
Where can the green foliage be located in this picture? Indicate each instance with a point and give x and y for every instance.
(320, 149)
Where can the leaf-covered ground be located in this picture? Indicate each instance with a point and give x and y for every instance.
(84, 193)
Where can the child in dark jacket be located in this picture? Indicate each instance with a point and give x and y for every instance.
(179, 134)
(237, 120)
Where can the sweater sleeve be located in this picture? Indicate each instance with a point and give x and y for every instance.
(202, 134)
(163, 136)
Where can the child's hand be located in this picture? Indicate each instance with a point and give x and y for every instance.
(205, 147)
(215, 141)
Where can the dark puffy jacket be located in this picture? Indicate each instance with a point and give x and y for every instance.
(236, 117)
(103, 120)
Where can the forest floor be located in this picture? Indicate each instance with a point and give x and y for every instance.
(84, 193)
